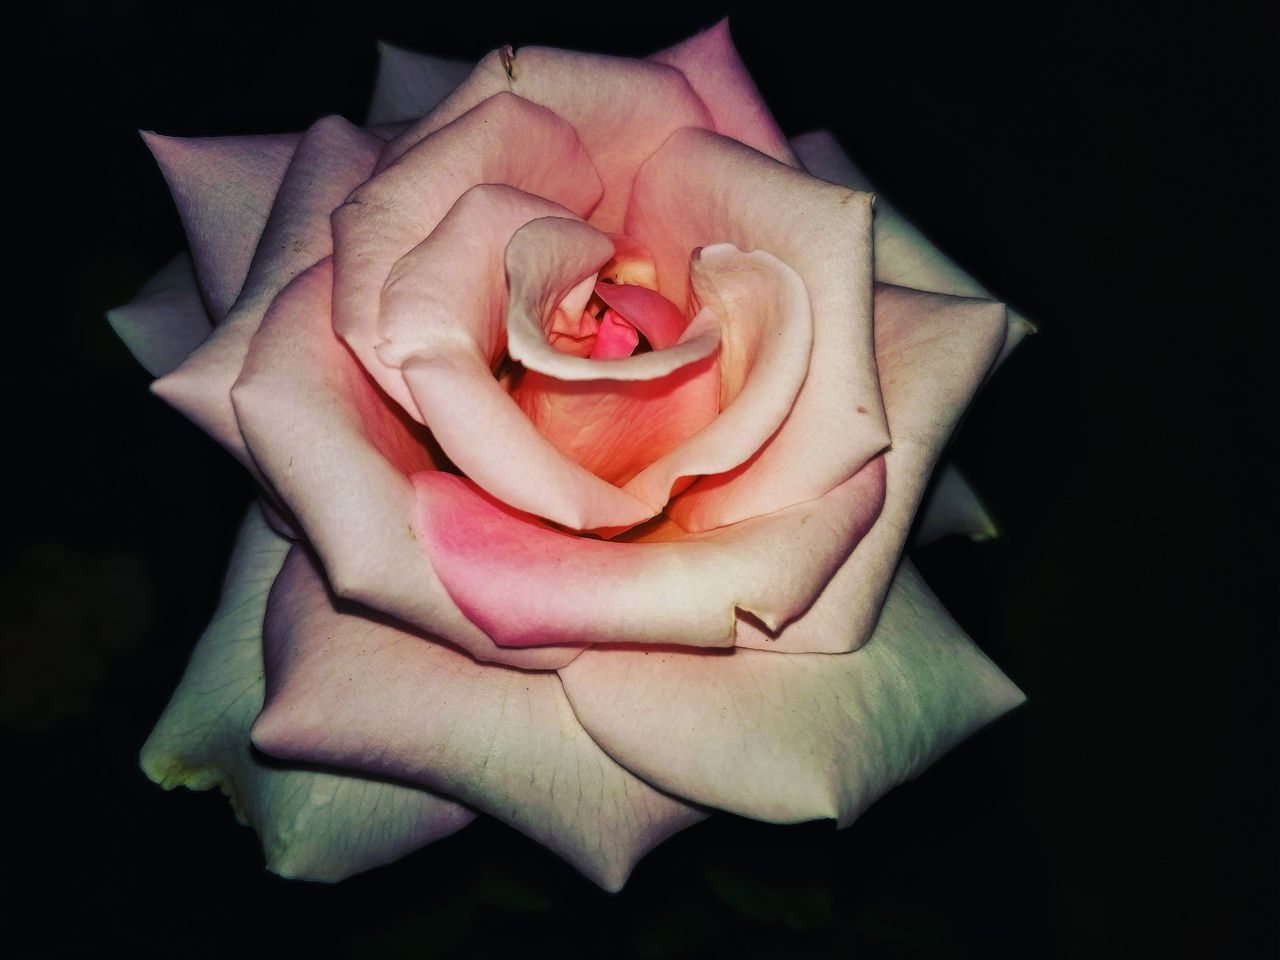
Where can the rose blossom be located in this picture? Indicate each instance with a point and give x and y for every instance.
(588, 451)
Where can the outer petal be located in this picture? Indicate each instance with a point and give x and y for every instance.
(166, 320)
(314, 825)
(933, 353)
(953, 507)
(332, 158)
(527, 584)
(503, 140)
(799, 736)
(903, 255)
(623, 109)
(701, 188)
(347, 691)
(409, 85)
(223, 187)
(339, 454)
(711, 64)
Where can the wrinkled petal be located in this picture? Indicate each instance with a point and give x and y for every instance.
(223, 188)
(503, 140)
(794, 737)
(166, 320)
(314, 825)
(903, 255)
(339, 453)
(409, 85)
(332, 158)
(953, 507)
(357, 693)
(623, 109)
(527, 584)
(933, 352)
(702, 188)
(710, 62)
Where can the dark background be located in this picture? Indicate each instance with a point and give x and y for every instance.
(1104, 170)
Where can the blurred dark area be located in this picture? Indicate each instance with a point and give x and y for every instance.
(1109, 170)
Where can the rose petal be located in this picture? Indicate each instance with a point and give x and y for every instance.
(711, 64)
(223, 188)
(702, 188)
(526, 584)
(409, 84)
(794, 737)
(339, 453)
(953, 507)
(351, 692)
(332, 158)
(166, 320)
(648, 311)
(616, 338)
(903, 255)
(503, 140)
(315, 825)
(933, 351)
(623, 109)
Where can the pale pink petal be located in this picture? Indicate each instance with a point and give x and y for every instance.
(351, 692)
(339, 453)
(952, 506)
(790, 737)
(166, 320)
(223, 188)
(933, 352)
(702, 188)
(314, 824)
(711, 64)
(623, 109)
(527, 584)
(903, 255)
(766, 336)
(503, 140)
(409, 85)
(332, 158)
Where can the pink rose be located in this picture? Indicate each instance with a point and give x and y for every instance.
(588, 451)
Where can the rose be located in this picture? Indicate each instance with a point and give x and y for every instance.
(450, 596)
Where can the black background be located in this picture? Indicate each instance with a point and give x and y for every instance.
(1103, 169)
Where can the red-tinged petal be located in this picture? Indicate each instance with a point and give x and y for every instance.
(623, 109)
(953, 506)
(339, 453)
(903, 255)
(332, 158)
(702, 188)
(504, 140)
(223, 188)
(794, 737)
(766, 335)
(166, 320)
(660, 320)
(711, 64)
(527, 584)
(355, 693)
(615, 338)
(314, 824)
(551, 267)
(410, 85)
(933, 352)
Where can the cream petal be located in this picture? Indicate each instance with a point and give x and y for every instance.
(223, 188)
(166, 320)
(623, 109)
(710, 62)
(702, 188)
(410, 85)
(339, 453)
(791, 737)
(933, 352)
(316, 825)
(332, 158)
(357, 693)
